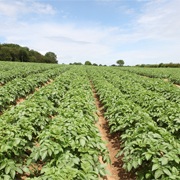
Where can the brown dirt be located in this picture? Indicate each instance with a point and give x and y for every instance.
(49, 82)
(35, 168)
(37, 144)
(177, 85)
(20, 100)
(116, 170)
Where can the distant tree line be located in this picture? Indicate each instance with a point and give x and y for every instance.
(119, 62)
(161, 65)
(15, 52)
(86, 63)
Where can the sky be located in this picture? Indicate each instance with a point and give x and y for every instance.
(99, 31)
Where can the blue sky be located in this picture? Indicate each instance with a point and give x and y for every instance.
(101, 31)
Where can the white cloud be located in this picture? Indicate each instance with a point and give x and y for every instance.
(42, 8)
(129, 11)
(15, 8)
(160, 20)
(67, 41)
(73, 42)
(9, 9)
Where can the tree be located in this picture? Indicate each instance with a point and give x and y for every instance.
(120, 62)
(94, 64)
(32, 59)
(87, 63)
(23, 54)
(161, 65)
(78, 63)
(14, 52)
(52, 56)
(5, 54)
(39, 57)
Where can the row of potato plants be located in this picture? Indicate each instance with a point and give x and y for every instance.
(172, 74)
(167, 89)
(164, 112)
(20, 87)
(54, 129)
(150, 150)
(12, 70)
(21, 125)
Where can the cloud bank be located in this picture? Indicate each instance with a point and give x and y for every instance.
(152, 36)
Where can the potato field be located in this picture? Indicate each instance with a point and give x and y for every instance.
(48, 122)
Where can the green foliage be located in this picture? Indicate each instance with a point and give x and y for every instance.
(87, 63)
(120, 62)
(172, 74)
(162, 65)
(142, 65)
(20, 87)
(23, 54)
(14, 52)
(145, 120)
(60, 117)
(12, 70)
(5, 54)
(51, 56)
(75, 63)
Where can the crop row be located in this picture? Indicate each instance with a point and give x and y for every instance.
(12, 70)
(172, 74)
(164, 112)
(52, 134)
(20, 87)
(166, 89)
(147, 148)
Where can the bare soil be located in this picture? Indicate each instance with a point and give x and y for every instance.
(177, 85)
(114, 145)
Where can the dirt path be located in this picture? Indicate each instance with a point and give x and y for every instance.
(114, 144)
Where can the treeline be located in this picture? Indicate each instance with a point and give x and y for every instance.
(15, 52)
(86, 63)
(119, 62)
(161, 65)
